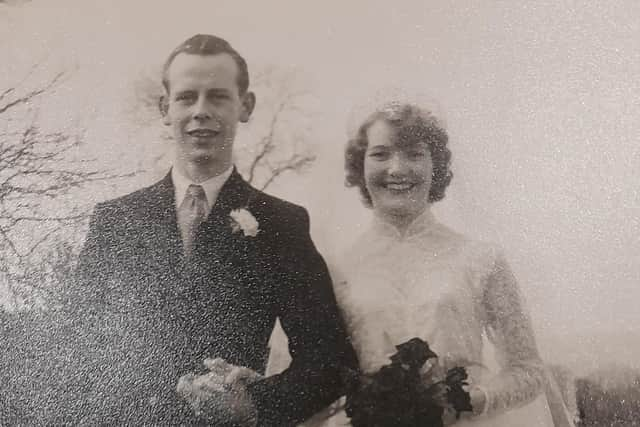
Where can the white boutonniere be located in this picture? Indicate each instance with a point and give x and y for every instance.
(242, 219)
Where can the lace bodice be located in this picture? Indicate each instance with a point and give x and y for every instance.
(457, 294)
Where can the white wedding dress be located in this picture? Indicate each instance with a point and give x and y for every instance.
(459, 296)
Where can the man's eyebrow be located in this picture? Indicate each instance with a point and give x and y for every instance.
(183, 91)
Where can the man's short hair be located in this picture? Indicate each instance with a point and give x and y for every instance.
(206, 44)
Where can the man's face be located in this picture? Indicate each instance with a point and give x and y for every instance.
(204, 106)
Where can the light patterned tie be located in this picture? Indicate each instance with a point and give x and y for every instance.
(191, 213)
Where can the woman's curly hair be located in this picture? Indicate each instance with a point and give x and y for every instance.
(412, 125)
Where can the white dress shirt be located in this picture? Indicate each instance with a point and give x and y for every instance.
(211, 187)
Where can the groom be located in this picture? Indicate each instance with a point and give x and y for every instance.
(199, 265)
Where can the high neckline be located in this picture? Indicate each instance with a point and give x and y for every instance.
(421, 224)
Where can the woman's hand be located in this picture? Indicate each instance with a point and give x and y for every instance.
(449, 416)
(478, 400)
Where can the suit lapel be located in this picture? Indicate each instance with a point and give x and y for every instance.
(215, 236)
(226, 255)
(217, 229)
(234, 194)
(165, 236)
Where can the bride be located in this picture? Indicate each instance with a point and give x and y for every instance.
(410, 276)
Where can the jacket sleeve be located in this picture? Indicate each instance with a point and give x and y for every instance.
(318, 343)
(75, 337)
(95, 266)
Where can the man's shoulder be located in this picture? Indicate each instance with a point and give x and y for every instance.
(269, 202)
(131, 202)
(279, 212)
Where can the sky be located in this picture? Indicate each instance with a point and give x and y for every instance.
(541, 101)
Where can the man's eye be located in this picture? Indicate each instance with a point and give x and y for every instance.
(184, 97)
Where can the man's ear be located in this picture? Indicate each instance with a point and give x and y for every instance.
(248, 104)
(163, 106)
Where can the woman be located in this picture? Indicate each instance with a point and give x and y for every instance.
(410, 276)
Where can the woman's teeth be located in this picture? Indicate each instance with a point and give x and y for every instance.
(398, 186)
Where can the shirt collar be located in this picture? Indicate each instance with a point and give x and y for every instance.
(211, 187)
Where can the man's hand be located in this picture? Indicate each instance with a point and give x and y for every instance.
(220, 395)
(231, 374)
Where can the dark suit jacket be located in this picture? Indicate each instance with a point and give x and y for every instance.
(147, 317)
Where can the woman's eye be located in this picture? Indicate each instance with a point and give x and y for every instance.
(379, 155)
(416, 155)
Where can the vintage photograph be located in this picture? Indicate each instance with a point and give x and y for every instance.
(362, 213)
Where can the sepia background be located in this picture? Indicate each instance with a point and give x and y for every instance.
(541, 101)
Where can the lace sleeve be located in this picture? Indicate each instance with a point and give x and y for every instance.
(521, 376)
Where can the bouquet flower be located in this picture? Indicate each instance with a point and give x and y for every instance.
(406, 392)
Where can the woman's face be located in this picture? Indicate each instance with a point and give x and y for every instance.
(397, 173)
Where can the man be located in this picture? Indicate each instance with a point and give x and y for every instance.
(199, 266)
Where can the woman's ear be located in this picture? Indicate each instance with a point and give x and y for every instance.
(248, 104)
(163, 106)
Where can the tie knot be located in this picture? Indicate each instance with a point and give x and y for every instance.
(196, 192)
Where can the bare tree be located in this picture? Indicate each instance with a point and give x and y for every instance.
(276, 140)
(38, 174)
(279, 140)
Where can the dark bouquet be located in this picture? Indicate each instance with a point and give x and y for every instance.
(403, 394)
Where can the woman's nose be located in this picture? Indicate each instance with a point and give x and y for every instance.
(396, 164)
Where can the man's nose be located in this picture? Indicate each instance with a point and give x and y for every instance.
(201, 111)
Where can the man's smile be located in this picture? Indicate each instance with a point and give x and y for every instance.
(203, 133)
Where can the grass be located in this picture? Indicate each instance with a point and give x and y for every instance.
(609, 397)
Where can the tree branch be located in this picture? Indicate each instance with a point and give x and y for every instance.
(30, 95)
(267, 142)
(9, 241)
(296, 162)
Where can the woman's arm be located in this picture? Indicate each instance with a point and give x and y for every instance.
(521, 375)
